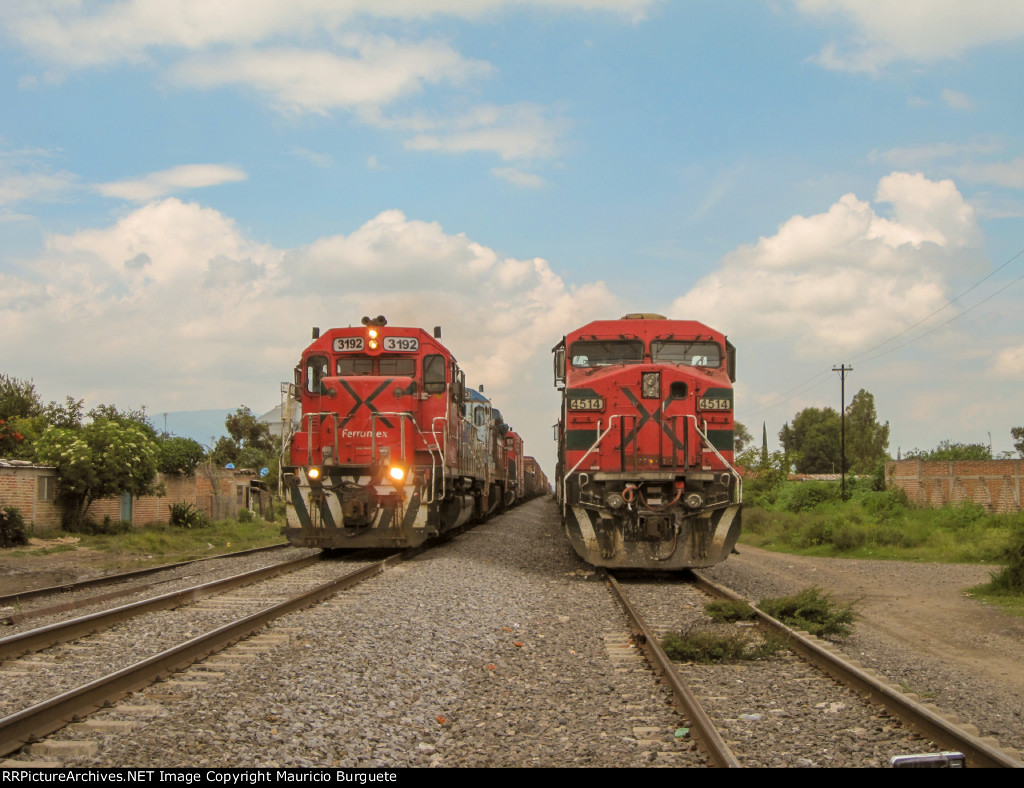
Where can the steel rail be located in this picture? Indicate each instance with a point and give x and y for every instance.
(63, 631)
(23, 727)
(95, 581)
(940, 730)
(707, 734)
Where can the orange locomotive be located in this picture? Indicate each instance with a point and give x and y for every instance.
(645, 443)
(392, 449)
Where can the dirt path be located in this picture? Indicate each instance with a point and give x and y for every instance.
(922, 606)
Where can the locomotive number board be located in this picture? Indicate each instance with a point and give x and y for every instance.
(586, 403)
(401, 344)
(348, 344)
(714, 403)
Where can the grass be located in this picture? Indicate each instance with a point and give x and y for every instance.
(878, 525)
(163, 543)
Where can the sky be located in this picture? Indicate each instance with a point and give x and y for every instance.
(187, 187)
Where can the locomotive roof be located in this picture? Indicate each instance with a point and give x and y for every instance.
(644, 326)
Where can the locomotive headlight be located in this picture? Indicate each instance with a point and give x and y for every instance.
(614, 500)
(396, 473)
(313, 474)
(650, 385)
(373, 334)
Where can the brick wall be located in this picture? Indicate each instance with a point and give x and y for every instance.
(218, 494)
(994, 484)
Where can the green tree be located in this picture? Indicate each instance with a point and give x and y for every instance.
(812, 443)
(18, 398)
(741, 436)
(866, 439)
(99, 460)
(249, 443)
(947, 451)
(179, 455)
(1017, 433)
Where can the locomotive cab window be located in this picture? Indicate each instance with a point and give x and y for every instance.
(434, 374)
(351, 366)
(316, 371)
(406, 367)
(692, 354)
(604, 354)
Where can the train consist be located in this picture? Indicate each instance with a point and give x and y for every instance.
(392, 448)
(645, 443)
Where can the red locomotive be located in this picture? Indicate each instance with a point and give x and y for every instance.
(392, 449)
(645, 443)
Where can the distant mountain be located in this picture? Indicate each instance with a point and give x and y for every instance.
(202, 426)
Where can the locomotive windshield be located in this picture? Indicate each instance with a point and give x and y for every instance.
(693, 354)
(603, 354)
(353, 366)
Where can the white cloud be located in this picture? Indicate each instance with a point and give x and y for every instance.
(1006, 173)
(956, 100)
(374, 71)
(517, 131)
(838, 281)
(175, 298)
(517, 177)
(165, 182)
(87, 34)
(1009, 363)
(913, 30)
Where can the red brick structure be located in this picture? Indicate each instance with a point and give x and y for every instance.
(218, 493)
(994, 484)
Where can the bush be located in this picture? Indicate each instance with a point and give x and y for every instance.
(1011, 579)
(185, 515)
(808, 495)
(245, 516)
(13, 531)
(812, 611)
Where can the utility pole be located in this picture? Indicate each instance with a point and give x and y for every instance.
(842, 370)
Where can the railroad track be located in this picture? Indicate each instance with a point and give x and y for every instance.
(167, 645)
(779, 728)
(53, 600)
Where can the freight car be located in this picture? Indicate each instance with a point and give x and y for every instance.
(391, 448)
(645, 443)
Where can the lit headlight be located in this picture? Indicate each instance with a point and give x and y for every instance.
(650, 385)
(396, 473)
(313, 474)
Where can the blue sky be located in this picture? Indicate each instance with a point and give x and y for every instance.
(187, 186)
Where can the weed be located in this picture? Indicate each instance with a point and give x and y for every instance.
(729, 611)
(707, 646)
(812, 611)
(185, 515)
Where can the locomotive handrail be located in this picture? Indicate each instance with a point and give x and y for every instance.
(309, 434)
(402, 416)
(725, 462)
(600, 437)
(441, 446)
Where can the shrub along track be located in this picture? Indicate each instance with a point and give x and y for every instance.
(785, 711)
